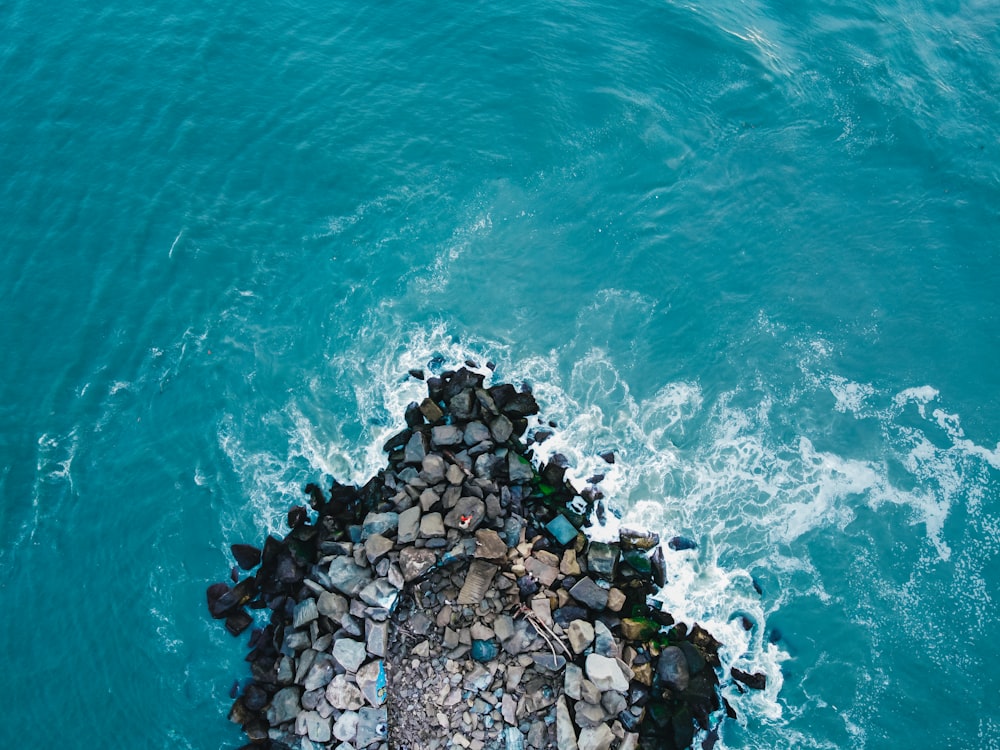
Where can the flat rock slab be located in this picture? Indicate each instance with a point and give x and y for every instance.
(477, 581)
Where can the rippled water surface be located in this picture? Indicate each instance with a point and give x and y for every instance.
(751, 246)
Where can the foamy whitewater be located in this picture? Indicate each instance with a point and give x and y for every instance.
(751, 248)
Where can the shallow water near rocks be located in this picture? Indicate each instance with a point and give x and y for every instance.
(751, 247)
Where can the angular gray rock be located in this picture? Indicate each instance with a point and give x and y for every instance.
(433, 468)
(284, 706)
(331, 605)
(467, 514)
(344, 695)
(376, 637)
(348, 577)
(415, 561)
(320, 673)
(431, 526)
(444, 436)
(409, 525)
(501, 429)
(565, 733)
(476, 432)
(520, 471)
(379, 523)
(371, 682)
(376, 547)
(589, 593)
(346, 728)
(379, 593)
(372, 726)
(415, 449)
(606, 674)
(350, 654)
(580, 634)
(477, 580)
(572, 681)
(313, 725)
(305, 612)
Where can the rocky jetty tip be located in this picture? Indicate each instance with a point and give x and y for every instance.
(456, 601)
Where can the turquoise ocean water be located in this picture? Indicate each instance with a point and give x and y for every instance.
(752, 246)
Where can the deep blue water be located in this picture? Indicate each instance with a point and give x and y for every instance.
(750, 245)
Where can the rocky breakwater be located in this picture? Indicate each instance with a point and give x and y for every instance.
(455, 600)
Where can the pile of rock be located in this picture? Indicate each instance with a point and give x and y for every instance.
(453, 601)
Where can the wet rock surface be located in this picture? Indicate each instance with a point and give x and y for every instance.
(455, 600)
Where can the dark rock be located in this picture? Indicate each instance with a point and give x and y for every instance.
(520, 404)
(682, 543)
(461, 380)
(397, 440)
(638, 564)
(246, 556)
(255, 697)
(255, 637)
(629, 721)
(435, 388)
(553, 473)
(756, 681)
(222, 600)
(239, 713)
(672, 669)
(238, 621)
(287, 571)
(486, 403)
(683, 727)
(297, 515)
(565, 615)
(527, 586)
(589, 593)
(501, 394)
(416, 373)
(608, 456)
(658, 567)
(461, 405)
(696, 662)
(215, 594)
(413, 416)
(603, 559)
